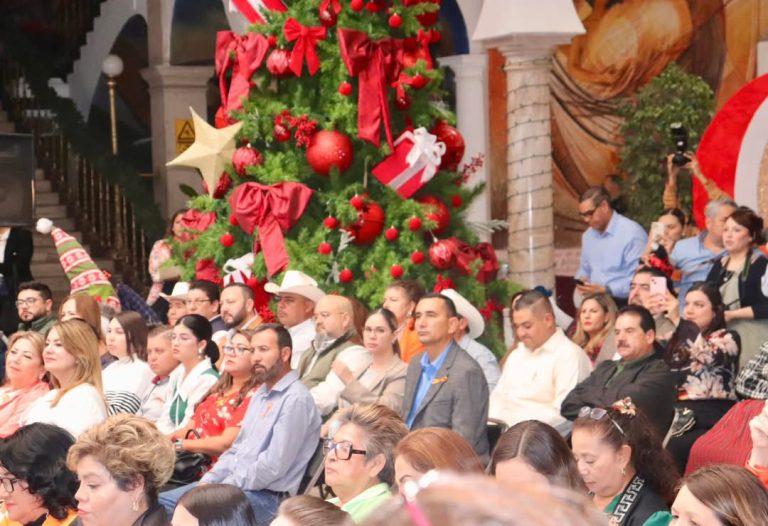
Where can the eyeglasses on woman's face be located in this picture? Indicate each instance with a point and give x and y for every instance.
(9, 483)
(343, 450)
(236, 350)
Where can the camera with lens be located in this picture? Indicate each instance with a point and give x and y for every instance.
(680, 137)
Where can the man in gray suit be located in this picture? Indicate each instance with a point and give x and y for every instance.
(444, 386)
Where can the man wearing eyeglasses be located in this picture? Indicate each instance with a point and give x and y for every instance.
(237, 311)
(203, 299)
(34, 304)
(278, 434)
(640, 374)
(610, 248)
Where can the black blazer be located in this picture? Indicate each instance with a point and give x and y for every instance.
(18, 257)
(750, 291)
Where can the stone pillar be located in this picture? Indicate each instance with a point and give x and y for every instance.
(172, 90)
(529, 171)
(472, 121)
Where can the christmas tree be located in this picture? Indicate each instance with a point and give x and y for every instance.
(348, 163)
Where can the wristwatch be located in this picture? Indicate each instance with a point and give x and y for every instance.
(177, 444)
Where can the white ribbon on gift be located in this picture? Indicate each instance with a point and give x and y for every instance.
(238, 270)
(425, 155)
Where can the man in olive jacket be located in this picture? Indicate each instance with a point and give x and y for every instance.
(640, 374)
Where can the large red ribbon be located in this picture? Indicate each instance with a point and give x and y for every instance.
(377, 63)
(305, 47)
(272, 209)
(249, 51)
(194, 222)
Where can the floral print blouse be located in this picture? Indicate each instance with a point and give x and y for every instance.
(710, 371)
(218, 412)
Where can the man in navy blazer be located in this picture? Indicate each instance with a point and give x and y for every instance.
(445, 387)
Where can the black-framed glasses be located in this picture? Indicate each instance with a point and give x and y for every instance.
(9, 483)
(27, 302)
(597, 413)
(236, 350)
(343, 449)
(588, 213)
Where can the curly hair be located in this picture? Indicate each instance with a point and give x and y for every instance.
(37, 454)
(649, 458)
(129, 447)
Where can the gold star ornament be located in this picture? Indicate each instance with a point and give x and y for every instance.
(211, 152)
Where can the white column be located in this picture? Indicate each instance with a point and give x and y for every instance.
(472, 121)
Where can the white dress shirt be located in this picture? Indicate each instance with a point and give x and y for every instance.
(302, 335)
(484, 358)
(534, 383)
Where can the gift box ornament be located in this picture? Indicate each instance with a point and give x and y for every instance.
(414, 162)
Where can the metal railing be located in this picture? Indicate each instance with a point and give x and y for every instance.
(106, 219)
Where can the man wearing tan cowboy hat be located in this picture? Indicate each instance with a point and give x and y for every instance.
(177, 301)
(296, 298)
(471, 327)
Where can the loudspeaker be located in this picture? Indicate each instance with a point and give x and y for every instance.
(17, 174)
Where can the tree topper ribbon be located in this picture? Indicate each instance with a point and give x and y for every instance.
(305, 47)
(249, 53)
(377, 64)
(425, 154)
(238, 270)
(272, 209)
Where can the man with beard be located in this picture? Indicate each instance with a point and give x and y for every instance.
(34, 303)
(336, 339)
(237, 308)
(640, 374)
(278, 435)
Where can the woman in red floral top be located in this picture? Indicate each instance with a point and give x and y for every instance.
(217, 418)
(705, 356)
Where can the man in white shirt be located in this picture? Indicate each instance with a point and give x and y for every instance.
(162, 362)
(543, 368)
(471, 327)
(336, 339)
(296, 298)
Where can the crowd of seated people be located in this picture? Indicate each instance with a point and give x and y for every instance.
(649, 410)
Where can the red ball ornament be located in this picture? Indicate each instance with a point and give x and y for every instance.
(441, 255)
(345, 88)
(436, 210)
(328, 149)
(373, 7)
(331, 223)
(395, 21)
(356, 5)
(431, 18)
(418, 81)
(456, 201)
(414, 224)
(278, 63)
(396, 271)
(328, 17)
(222, 187)
(227, 240)
(281, 133)
(356, 202)
(272, 40)
(417, 257)
(403, 103)
(345, 276)
(391, 234)
(454, 145)
(324, 248)
(252, 282)
(233, 220)
(369, 224)
(244, 157)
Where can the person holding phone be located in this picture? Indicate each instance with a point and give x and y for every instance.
(652, 289)
(665, 232)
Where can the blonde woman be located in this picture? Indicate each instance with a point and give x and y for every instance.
(594, 327)
(24, 372)
(71, 357)
(82, 306)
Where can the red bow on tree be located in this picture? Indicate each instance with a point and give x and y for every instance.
(196, 222)
(442, 283)
(377, 63)
(253, 16)
(206, 270)
(467, 254)
(305, 47)
(273, 209)
(249, 51)
(491, 306)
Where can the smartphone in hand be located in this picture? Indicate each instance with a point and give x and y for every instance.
(657, 231)
(658, 286)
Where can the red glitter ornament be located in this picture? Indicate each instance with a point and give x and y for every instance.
(279, 63)
(441, 254)
(328, 149)
(244, 157)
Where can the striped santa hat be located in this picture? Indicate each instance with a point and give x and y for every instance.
(82, 272)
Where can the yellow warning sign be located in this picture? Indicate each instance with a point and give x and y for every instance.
(185, 135)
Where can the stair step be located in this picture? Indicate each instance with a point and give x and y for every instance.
(40, 174)
(54, 212)
(3, 116)
(46, 198)
(47, 270)
(45, 240)
(42, 186)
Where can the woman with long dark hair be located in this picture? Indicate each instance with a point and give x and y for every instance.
(214, 505)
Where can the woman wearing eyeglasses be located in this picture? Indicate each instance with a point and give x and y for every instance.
(191, 345)
(24, 373)
(359, 457)
(621, 460)
(36, 487)
(216, 421)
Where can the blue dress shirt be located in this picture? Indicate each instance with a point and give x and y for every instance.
(610, 258)
(277, 438)
(694, 261)
(428, 372)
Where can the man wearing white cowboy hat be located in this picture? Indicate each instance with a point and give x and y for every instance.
(177, 301)
(471, 327)
(296, 299)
